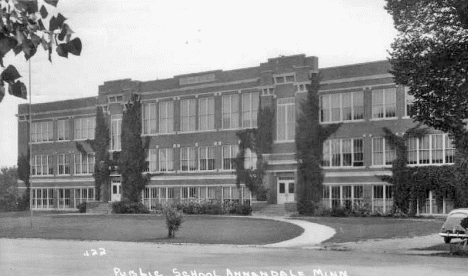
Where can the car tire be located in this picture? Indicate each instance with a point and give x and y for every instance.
(447, 239)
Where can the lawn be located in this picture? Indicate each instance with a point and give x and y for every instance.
(146, 228)
(353, 229)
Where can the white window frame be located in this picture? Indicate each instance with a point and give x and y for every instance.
(326, 101)
(152, 160)
(149, 119)
(42, 132)
(84, 128)
(233, 151)
(409, 100)
(445, 150)
(250, 159)
(284, 78)
(206, 113)
(166, 117)
(385, 106)
(43, 162)
(249, 109)
(84, 161)
(327, 147)
(387, 153)
(116, 132)
(231, 114)
(190, 153)
(204, 151)
(168, 164)
(63, 130)
(286, 126)
(188, 115)
(63, 162)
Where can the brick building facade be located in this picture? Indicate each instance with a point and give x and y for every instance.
(192, 121)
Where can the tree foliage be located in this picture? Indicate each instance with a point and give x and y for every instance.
(132, 163)
(8, 188)
(23, 175)
(310, 135)
(26, 26)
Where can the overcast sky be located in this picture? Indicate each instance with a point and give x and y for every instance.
(148, 40)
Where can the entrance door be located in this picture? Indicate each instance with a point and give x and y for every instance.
(116, 189)
(286, 190)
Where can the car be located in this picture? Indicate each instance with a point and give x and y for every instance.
(451, 228)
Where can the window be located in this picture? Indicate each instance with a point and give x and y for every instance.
(188, 115)
(42, 165)
(284, 79)
(230, 111)
(166, 163)
(42, 198)
(151, 161)
(63, 130)
(115, 99)
(42, 132)
(382, 152)
(229, 156)
(83, 195)
(84, 163)
(63, 163)
(286, 120)
(206, 158)
(342, 107)
(206, 113)
(250, 160)
(188, 159)
(384, 103)
(116, 132)
(343, 153)
(166, 117)
(430, 149)
(84, 128)
(250, 102)
(409, 99)
(149, 118)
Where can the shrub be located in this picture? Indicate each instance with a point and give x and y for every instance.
(243, 209)
(174, 220)
(360, 210)
(338, 212)
(307, 207)
(125, 207)
(82, 207)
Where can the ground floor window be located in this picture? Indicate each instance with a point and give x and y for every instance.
(42, 198)
(430, 206)
(83, 195)
(60, 198)
(346, 196)
(382, 198)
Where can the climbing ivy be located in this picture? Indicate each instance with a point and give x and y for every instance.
(259, 141)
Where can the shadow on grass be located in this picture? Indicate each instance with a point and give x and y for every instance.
(454, 249)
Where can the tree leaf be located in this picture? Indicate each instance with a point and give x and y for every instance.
(30, 6)
(6, 44)
(52, 2)
(62, 34)
(41, 25)
(36, 40)
(29, 49)
(62, 50)
(2, 92)
(74, 46)
(18, 89)
(18, 49)
(60, 19)
(44, 12)
(20, 37)
(50, 53)
(53, 25)
(10, 74)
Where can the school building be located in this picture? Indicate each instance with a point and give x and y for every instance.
(192, 122)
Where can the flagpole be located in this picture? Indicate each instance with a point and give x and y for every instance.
(30, 148)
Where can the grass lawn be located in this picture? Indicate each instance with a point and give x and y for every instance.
(353, 229)
(146, 228)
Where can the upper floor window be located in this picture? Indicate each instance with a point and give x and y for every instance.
(151, 161)
(342, 107)
(343, 153)
(84, 128)
(42, 131)
(382, 152)
(188, 115)
(229, 153)
(166, 160)
(149, 118)
(250, 160)
(84, 163)
(188, 161)
(42, 165)
(206, 158)
(116, 132)
(230, 111)
(250, 102)
(384, 103)
(166, 117)
(115, 99)
(409, 99)
(63, 130)
(206, 113)
(63, 164)
(431, 149)
(286, 120)
(284, 79)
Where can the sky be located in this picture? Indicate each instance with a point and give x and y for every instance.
(148, 40)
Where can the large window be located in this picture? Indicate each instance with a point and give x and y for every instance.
(382, 152)
(188, 115)
(409, 99)
(286, 120)
(206, 158)
(166, 117)
(342, 107)
(116, 132)
(166, 160)
(42, 198)
(42, 132)
(343, 153)
(42, 165)
(230, 111)
(84, 163)
(63, 164)
(430, 149)
(250, 102)
(347, 196)
(384, 103)
(84, 128)
(151, 160)
(206, 113)
(149, 118)
(83, 195)
(188, 161)
(250, 160)
(229, 156)
(63, 130)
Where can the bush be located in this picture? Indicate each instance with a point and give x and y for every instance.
(82, 207)
(125, 207)
(306, 207)
(360, 210)
(174, 219)
(338, 212)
